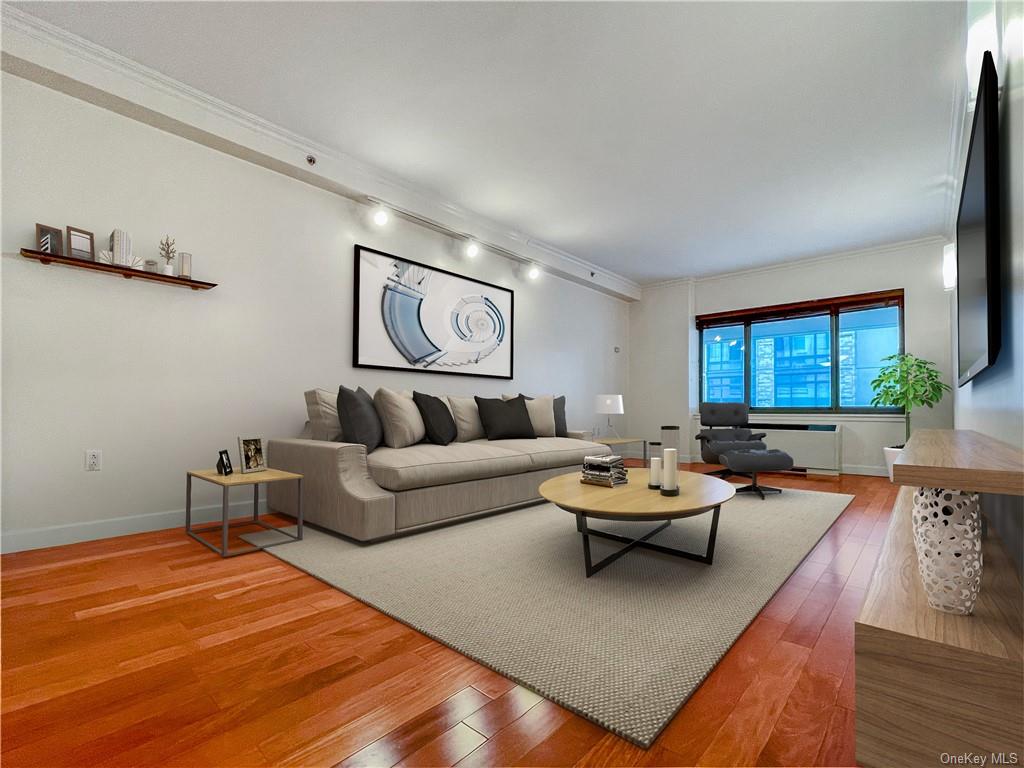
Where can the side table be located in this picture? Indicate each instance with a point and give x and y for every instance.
(240, 479)
(614, 442)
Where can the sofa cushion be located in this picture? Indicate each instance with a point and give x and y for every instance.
(322, 411)
(542, 415)
(467, 418)
(549, 452)
(504, 419)
(403, 425)
(437, 419)
(419, 466)
(359, 419)
(558, 406)
(561, 425)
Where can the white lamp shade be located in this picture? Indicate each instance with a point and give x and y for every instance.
(610, 404)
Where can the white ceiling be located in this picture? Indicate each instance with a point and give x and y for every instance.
(657, 140)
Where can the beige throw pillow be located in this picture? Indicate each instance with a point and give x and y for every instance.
(322, 410)
(401, 419)
(542, 415)
(467, 418)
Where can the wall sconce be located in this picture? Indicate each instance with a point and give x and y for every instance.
(949, 266)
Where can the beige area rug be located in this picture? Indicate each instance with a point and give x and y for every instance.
(624, 648)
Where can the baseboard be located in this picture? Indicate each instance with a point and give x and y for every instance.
(71, 533)
(865, 469)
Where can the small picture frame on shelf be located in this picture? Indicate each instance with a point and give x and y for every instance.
(224, 463)
(250, 451)
(49, 240)
(81, 245)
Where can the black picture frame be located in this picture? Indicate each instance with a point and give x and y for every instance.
(224, 463)
(356, 363)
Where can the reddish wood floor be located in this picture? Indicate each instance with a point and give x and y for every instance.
(151, 650)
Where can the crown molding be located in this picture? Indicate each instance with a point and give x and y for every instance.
(959, 111)
(670, 283)
(826, 258)
(798, 263)
(56, 58)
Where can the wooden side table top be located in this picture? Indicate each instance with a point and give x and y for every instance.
(244, 478)
(610, 441)
(635, 501)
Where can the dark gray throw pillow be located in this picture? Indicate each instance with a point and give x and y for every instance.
(359, 420)
(561, 427)
(505, 419)
(437, 418)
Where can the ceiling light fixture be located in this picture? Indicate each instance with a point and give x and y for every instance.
(381, 216)
(472, 249)
(534, 272)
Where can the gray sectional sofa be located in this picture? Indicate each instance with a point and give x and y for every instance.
(394, 491)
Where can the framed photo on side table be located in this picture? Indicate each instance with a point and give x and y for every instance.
(250, 451)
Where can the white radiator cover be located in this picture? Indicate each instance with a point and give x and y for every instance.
(815, 449)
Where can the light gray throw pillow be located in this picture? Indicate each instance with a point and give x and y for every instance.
(467, 418)
(401, 419)
(542, 415)
(322, 411)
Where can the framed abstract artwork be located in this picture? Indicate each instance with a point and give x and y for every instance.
(414, 317)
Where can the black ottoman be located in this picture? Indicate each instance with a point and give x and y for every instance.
(750, 462)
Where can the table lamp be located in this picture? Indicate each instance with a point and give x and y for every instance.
(609, 405)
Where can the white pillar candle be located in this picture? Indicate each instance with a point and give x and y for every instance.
(654, 479)
(670, 471)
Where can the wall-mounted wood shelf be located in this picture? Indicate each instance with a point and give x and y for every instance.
(962, 459)
(930, 682)
(113, 269)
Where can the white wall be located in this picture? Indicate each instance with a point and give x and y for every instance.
(659, 370)
(160, 378)
(916, 267)
(993, 402)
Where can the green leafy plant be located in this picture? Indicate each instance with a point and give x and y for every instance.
(908, 382)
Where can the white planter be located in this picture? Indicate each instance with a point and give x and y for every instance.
(947, 537)
(167, 269)
(890, 458)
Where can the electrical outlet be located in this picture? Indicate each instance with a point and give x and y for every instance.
(93, 460)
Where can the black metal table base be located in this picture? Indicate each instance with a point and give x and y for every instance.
(642, 542)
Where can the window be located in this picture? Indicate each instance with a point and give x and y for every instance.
(723, 364)
(818, 355)
(865, 337)
(791, 363)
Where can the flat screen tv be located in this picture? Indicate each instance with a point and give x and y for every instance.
(978, 290)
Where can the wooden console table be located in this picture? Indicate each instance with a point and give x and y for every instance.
(929, 682)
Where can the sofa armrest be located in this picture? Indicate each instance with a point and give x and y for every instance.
(337, 490)
(580, 434)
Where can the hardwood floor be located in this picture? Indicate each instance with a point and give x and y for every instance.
(151, 650)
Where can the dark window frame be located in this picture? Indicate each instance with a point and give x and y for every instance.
(832, 307)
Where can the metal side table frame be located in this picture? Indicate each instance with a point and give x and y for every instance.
(226, 524)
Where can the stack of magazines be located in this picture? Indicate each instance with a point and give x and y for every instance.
(608, 471)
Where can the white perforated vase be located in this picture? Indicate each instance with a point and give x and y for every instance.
(947, 536)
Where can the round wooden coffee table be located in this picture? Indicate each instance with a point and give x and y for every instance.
(635, 502)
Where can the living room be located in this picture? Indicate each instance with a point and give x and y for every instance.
(690, 235)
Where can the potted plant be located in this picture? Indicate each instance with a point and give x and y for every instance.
(906, 382)
(167, 253)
